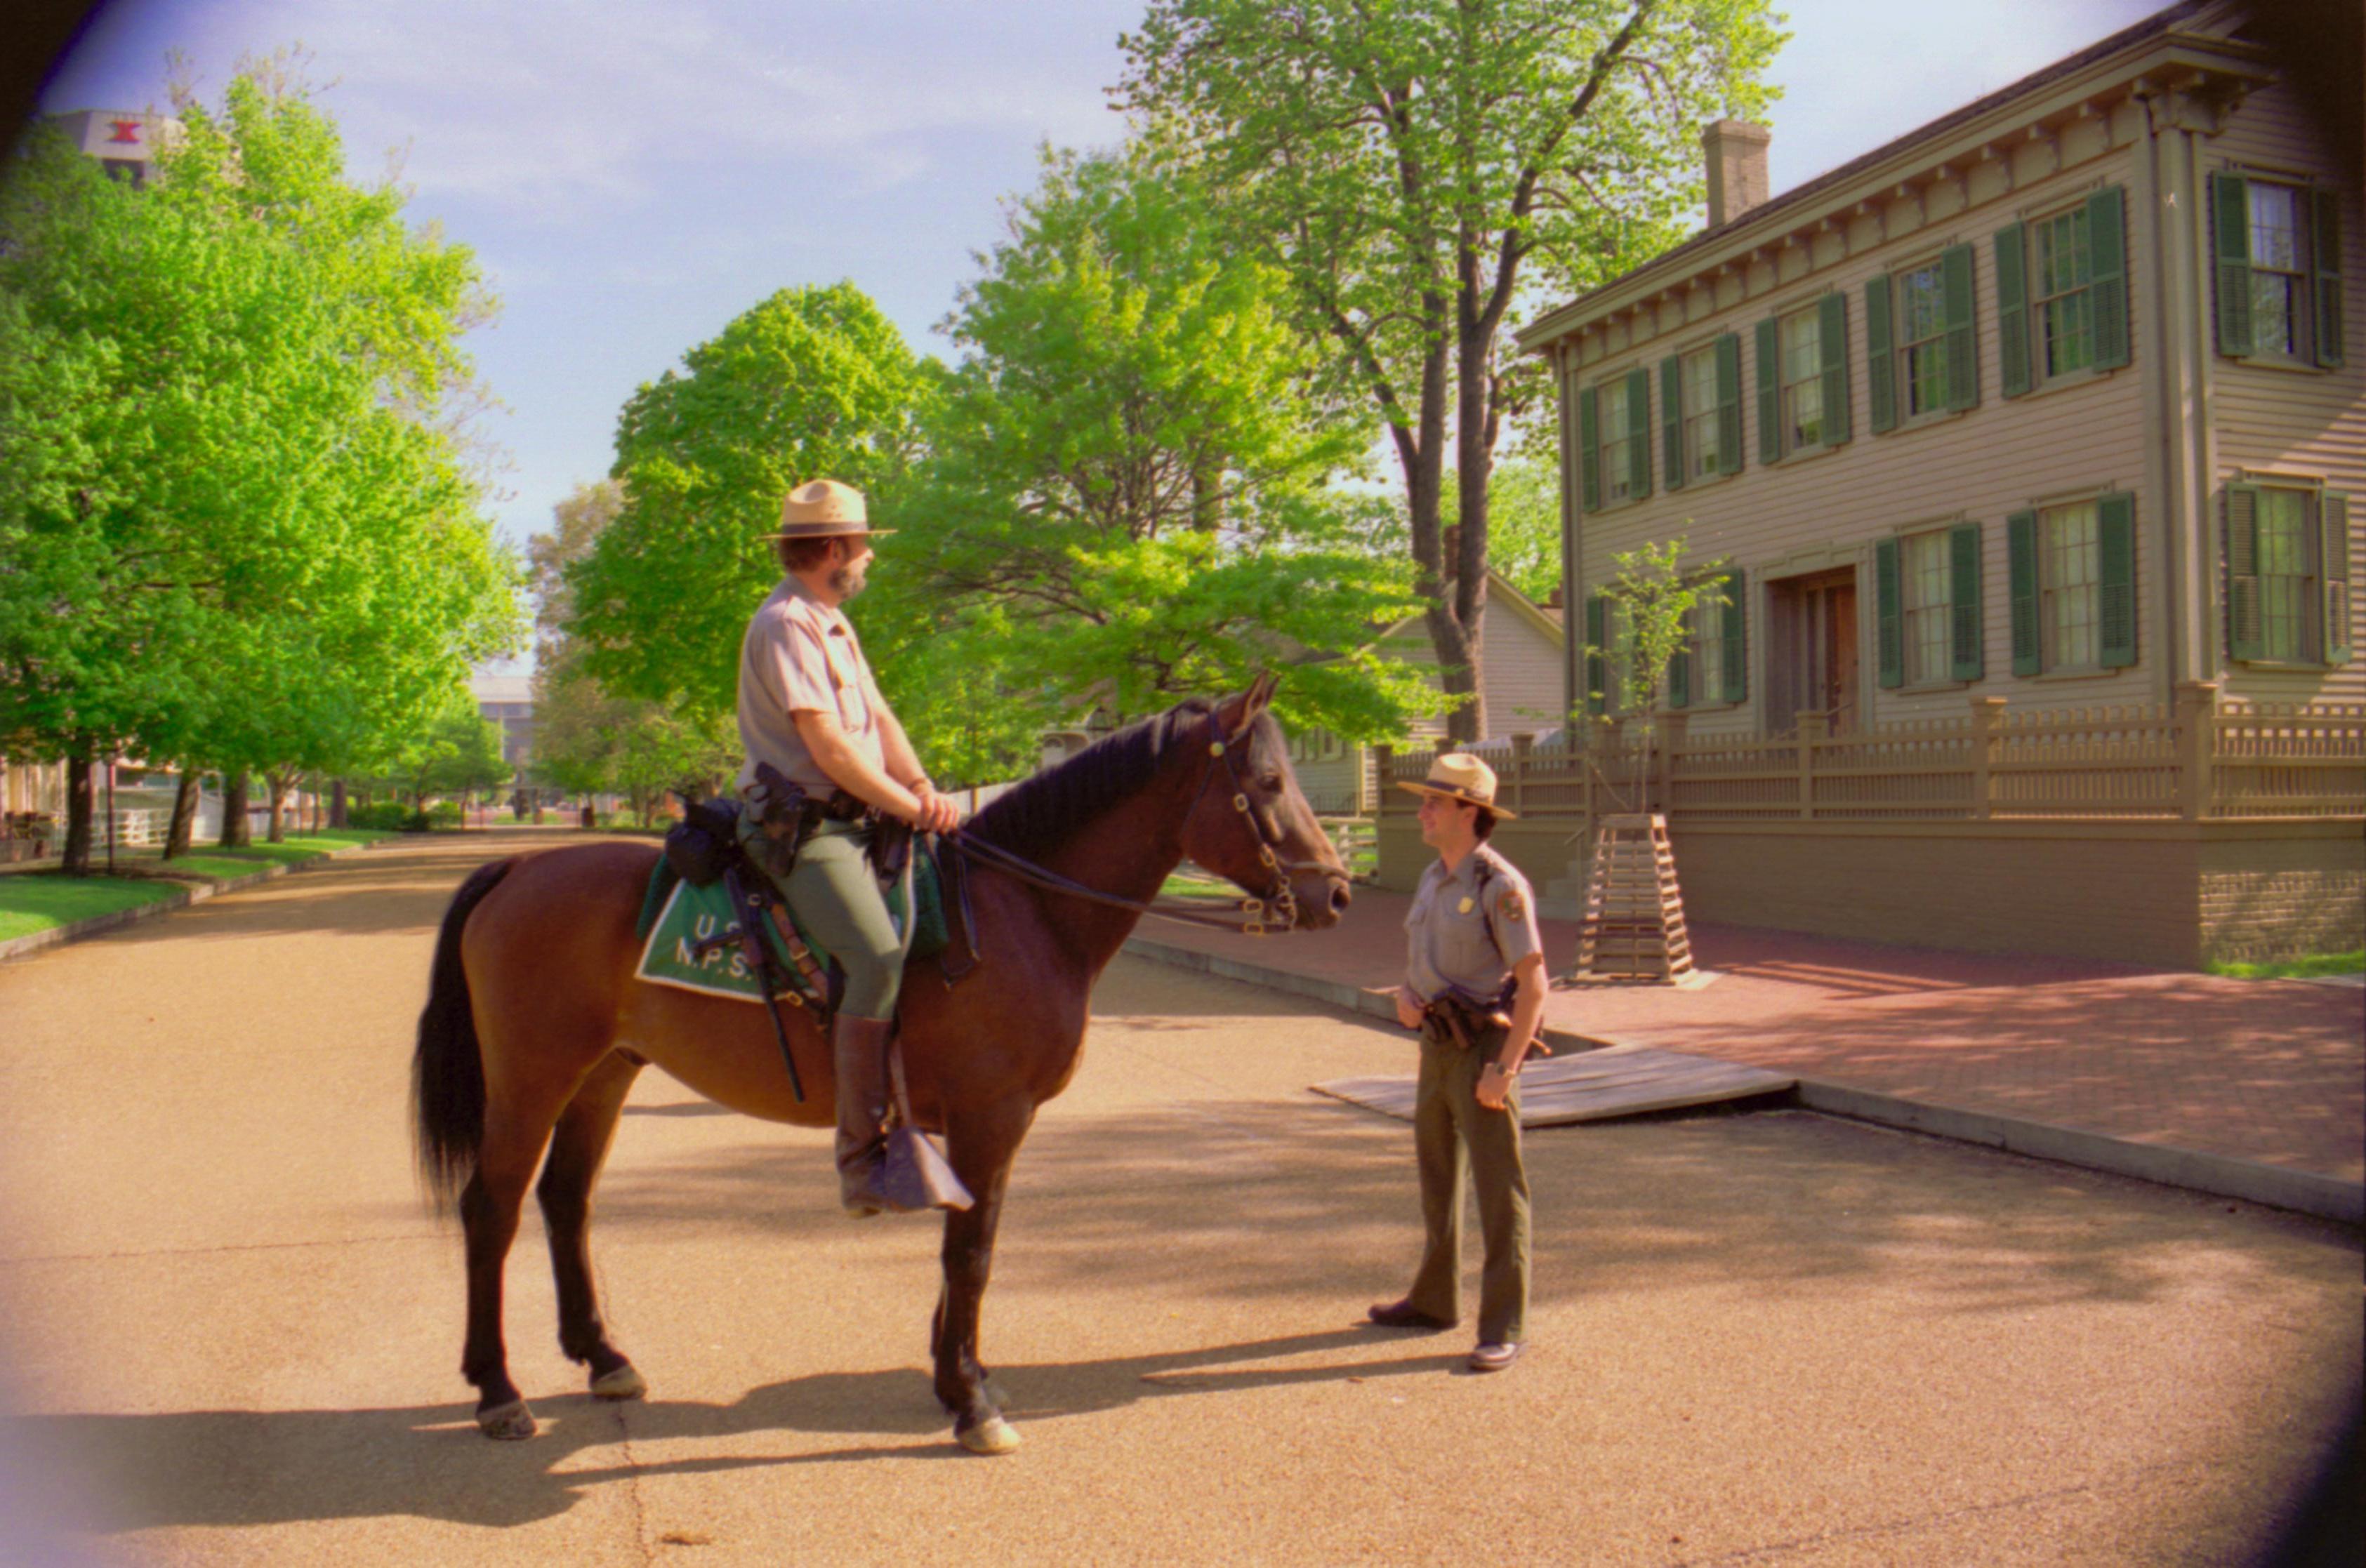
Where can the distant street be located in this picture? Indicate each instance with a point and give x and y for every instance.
(228, 1333)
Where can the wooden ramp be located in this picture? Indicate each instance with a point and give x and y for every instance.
(1590, 1086)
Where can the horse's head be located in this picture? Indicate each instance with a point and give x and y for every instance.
(1252, 826)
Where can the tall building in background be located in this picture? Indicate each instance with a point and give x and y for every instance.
(125, 141)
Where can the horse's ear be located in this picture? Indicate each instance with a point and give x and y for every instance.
(1260, 693)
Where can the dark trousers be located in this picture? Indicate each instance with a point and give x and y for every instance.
(1450, 1130)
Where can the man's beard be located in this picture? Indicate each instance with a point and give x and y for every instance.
(847, 580)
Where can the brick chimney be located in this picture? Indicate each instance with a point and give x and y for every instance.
(1737, 168)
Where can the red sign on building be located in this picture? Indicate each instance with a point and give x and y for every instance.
(125, 130)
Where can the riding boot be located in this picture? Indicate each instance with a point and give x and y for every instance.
(858, 1047)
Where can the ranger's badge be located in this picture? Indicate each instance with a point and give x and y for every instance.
(1462, 908)
(1513, 906)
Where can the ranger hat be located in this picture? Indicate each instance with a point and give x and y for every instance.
(825, 509)
(1459, 775)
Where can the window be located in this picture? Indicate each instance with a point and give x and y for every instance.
(2279, 271)
(2065, 334)
(1618, 474)
(2277, 248)
(1802, 382)
(2287, 575)
(1926, 606)
(1923, 338)
(1711, 666)
(2069, 580)
(1697, 378)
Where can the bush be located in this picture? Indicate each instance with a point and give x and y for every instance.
(390, 816)
(443, 814)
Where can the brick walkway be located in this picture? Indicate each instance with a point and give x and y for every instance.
(2272, 1070)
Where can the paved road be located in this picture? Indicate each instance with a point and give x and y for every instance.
(232, 1333)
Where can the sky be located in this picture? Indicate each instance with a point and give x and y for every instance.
(634, 173)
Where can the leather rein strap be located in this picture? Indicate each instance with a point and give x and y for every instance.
(1276, 911)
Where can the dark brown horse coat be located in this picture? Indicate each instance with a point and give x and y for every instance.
(535, 1027)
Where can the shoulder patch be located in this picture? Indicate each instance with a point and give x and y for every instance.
(1513, 906)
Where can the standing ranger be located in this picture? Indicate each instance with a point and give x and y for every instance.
(1473, 952)
(827, 762)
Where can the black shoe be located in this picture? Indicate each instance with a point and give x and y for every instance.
(1495, 1355)
(1404, 1315)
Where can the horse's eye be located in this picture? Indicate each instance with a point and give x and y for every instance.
(1271, 780)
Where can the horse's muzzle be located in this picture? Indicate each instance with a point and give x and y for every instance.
(1320, 905)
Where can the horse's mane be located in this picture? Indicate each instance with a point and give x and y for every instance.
(1039, 814)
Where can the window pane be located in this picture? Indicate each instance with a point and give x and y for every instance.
(2271, 312)
(2275, 227)
(2285, 585)
(2062, 260)
(1700, 396)
(1927, 585)
(2069, 339)
(1926, 378)
(1618, 483)
(2069, 572)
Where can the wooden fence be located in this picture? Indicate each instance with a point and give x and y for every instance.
(2196, 758)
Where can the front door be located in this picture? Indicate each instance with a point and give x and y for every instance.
(1814, 643)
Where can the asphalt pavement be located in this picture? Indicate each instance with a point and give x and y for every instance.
(231, 1333)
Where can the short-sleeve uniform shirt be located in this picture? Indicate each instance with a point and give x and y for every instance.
(800, 654)
(1468, 931)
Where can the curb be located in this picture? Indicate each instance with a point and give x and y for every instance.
(98, 925)
(2219, 1175)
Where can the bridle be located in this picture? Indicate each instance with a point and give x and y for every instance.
(1277, 910)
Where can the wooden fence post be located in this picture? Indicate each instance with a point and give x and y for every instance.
(1812, 728)
(1522, 744)
(1382, 756)
(2197, 744)
(1986, 712)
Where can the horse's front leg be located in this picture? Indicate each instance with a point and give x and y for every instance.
(982, 1145)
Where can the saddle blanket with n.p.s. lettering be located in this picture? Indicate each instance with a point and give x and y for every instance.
(679, 918)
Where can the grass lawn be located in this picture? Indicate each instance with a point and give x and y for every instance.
(36, 901)
(1180, 886)
(2297, 968)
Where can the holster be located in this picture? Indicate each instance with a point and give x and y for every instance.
(779, 807)
(1450, 1019)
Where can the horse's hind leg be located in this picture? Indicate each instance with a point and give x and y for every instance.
(514, 1136)
(577, 1149)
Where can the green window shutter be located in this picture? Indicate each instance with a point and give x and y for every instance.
(1965, 662)
(1887, 613)
(2020, 570)
(2012, 311)
(1729, 403)
(2230, 228)
(1639, 431)
(1589, 445)
(1597, 611)
(1734, 684)
(1963, 340)
(2325, 264)
(1880, 369)
(1770, 401)
(2334, 519)
(2115, 590)
(2245, 636)
(1672, 421)
(1831, 344)
(1680, 676)
(2107, 268)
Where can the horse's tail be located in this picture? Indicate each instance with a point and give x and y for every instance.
(448, 1072)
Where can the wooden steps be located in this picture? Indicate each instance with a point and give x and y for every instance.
(1632, 930)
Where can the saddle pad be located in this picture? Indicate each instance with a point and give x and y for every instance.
(676, 916)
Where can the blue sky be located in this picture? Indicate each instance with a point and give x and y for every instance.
(635, 174)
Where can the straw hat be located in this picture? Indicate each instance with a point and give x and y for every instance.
(825, 509)
(1459, 775)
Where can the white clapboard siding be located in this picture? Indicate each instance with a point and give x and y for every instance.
(2308, 423)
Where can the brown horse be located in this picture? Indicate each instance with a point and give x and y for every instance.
(534, 1026)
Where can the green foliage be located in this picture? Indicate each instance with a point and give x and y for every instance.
(813, 383)
(387, 816)
(2311, 966)
(42, 901)
(241, 525)
(1523, 526)
(1419, 170)
(1131, 491)
(1650, 602)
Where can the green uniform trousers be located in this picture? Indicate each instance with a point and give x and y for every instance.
(836, 899)
(1448, 1124)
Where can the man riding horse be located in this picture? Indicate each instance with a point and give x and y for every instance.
(827, 762)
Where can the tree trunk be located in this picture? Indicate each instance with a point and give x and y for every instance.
(79, 806)
(337, 804)
(279, 784)
(184, 814)
(235, 833)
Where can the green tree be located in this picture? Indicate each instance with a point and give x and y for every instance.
(1650, 601)
(240, 526)
(1418, 169)
(813, 383)
(1131, 492)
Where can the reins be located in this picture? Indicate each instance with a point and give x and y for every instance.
(1277, 910)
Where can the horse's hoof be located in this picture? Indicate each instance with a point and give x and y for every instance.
(508, 1423)
(624, 1382)
(993, 1434)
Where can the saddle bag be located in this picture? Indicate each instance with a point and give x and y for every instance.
(703, 846)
